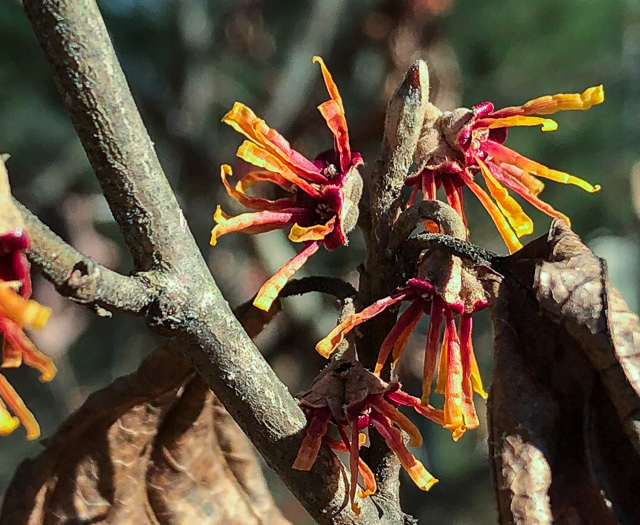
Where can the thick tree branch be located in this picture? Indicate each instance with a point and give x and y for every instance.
(190, 306)
(81, 279)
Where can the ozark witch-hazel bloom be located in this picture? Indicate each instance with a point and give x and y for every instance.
(324, 193)
(476, 141)
(444, 287)
(17, 312)
(352, 398)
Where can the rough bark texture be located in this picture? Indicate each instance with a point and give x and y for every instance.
(565, 398)
(189, 306)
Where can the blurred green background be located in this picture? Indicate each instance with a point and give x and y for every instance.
(187, 61)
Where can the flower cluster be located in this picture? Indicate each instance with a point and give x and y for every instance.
(324, 193)
(321, 208)
(458, 294)
(17, 312)
(480, 149)
(349, 396)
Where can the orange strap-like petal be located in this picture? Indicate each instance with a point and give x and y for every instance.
(311, 443)
(420, 475)
(398, 336)
(17, 406)
(31, 356)
(8, 423)
(244, 120)
(334, 116)
(546, 124)
(367, 476)
(255, 203)
(518, 219)
(549, 104)
(328, 81)
(466, 351)
(272, 287)
(503, 154)
(257, 222)
(395, 416)
(254, 177)
(11, 355)
(502, 224)
(317, 232)
(260, 157)
(436, 315)
(453, 413)
(327, 345)
(512, 177)
(22, 311)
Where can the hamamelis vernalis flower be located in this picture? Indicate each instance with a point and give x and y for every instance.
(352, 398)
(17, 312)
(323, 206)
(479, 149)
(444, 289)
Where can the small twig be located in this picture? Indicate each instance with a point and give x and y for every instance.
(328, 285)
(463, 249)
(80, 278)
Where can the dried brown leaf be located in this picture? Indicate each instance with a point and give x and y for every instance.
(564, 404)
(154, 447)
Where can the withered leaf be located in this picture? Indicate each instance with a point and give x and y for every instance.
(154, 447)
(564, 406)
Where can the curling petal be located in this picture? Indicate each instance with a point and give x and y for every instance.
(31, 356)
(502, 224)
(258, 156)
(327, 345)
(256, 222)
(548, 104)
(17, 406)
(255, 203)
(317, 232)
(436, 316)
(395, 416)
(546, 124)
(272, 287)
(420, 476)
(504, 154)
(8, 423)
(328, 82)
(518, 219)
(244, 120)
(398, 336)
(311, 443)
(333, 114)
(22, 311)
(255, 177)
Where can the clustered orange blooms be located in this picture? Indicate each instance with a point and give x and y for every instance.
(480, 143)
(17, 312)
(322, 209)
(352, 398)
(323, 204)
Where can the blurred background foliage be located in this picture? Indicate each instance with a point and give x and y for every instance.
(187, 61)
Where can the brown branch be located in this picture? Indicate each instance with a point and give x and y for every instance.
(384, 269)
(189, 306)
(80, 278)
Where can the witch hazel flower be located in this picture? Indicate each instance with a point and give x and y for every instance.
(322, 207)
(352, 399)
(474, 144)
(445, 288)
(17, 312)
